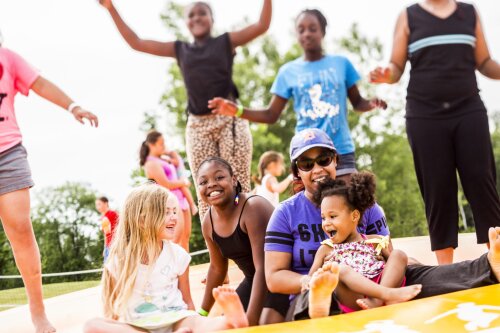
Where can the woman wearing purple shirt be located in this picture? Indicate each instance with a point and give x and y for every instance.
(294, 234)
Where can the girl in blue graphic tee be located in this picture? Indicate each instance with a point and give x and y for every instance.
(319, 85)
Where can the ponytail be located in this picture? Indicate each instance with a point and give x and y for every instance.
(143, 153)
(151, 138)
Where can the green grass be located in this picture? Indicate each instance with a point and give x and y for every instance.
(17, 296)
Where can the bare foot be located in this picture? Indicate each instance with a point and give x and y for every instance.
(403, 294)
(369, 303)
(226, 280)
(322, 284)
(42, 324)
(184, 330)
(230, 303)
(494, 251)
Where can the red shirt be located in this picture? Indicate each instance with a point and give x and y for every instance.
(112, 217)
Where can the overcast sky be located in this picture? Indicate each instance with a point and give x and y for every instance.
(75, 44)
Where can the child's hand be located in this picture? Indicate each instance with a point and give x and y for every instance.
(381, 75)
(378, 103)
(108, 4)
(81, 114)
(223, 107)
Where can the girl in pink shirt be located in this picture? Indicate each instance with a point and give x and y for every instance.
(16, 75)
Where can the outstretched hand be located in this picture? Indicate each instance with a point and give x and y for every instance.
(222, 107)
(108, 4)
(81, 114)
(378, 103)
(381, 75)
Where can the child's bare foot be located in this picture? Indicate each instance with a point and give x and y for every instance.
(42, 324)
(403, 294)
(494, 251)
(230, 303)
(369, 303)
(322, 284)
(226, 280)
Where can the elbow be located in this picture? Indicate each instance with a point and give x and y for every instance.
(272, 286)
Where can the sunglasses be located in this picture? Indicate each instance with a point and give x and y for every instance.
(323, 160)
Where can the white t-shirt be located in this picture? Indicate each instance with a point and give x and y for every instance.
(272, 197)
(157, 292)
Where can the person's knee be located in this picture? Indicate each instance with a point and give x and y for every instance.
(399, 256)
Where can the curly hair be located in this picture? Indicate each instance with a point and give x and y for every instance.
(359, 194)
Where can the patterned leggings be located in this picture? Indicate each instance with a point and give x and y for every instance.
(226, 137)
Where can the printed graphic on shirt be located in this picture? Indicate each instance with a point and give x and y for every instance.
(319, 99)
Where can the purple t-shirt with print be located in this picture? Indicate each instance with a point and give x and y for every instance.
(295, 227)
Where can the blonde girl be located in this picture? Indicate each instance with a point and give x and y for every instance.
(146, 279)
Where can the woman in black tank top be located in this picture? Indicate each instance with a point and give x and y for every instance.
(234, 228)
(206, 64)
(446, 121)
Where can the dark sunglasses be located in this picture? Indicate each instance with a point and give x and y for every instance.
(323, 160)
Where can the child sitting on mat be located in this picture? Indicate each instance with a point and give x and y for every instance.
(146, 277)
(360, 269)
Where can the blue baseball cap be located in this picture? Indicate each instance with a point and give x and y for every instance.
(307, 139)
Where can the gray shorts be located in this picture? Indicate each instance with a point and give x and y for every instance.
(15, 172)
(346, 164)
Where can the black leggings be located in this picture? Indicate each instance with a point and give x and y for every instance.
(441, 147)
(435, 280)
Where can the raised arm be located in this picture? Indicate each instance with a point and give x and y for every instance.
(218, 265)
(258, 215)
(268, 115)
(49, 91)
(155, 171)
(393, 72)
(273, 185)
(361, 104)
(485, 65)
(164, 49)
(254, 30)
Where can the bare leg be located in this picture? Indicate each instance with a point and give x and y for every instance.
(101, 325)
(187, 229)
(444, 256)
(361, 285)
(494, 251)
(15, 216)
(392, 277)
(323, 283)
(179, 232)
(234, 314)
(270, 316)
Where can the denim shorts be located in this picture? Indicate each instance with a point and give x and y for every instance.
(15, 172)
(346, 164)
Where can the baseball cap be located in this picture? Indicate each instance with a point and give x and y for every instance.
(307, 139)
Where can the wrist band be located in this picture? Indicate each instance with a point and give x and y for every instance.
(72, 106)
(239, 111)
(202, 312)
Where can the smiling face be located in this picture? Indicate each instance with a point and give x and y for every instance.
(199, 19)
(167, 231)
(338, 221)
(309, 33)
(215, 184)
(317, 174)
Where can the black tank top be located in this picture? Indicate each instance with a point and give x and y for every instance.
(207, 70)
(441, 53)
(236, 247)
